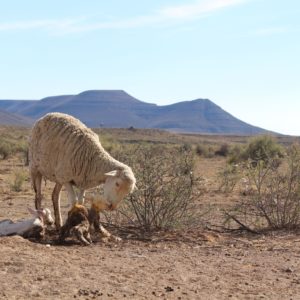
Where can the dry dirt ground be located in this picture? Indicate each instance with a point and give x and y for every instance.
(197, 264)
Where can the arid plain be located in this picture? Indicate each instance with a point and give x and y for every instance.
(204, 261)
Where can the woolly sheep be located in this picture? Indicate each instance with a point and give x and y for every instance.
(33, 227)
(65, 151)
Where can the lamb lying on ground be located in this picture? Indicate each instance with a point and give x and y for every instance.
(97, 205)
(30, 228)
(78, 224)
(80, 219)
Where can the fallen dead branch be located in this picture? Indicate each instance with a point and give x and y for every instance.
(243, 226)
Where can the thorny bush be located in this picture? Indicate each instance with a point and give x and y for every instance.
(275, 199)
(259, 149)
(167, 187)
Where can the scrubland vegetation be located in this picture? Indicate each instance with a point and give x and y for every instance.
(220, 211)
(263, 174)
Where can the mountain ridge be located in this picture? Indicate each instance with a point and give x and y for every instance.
(117, 108)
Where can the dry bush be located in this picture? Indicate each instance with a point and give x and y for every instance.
(224, 150)
(10, 146)
(20, 175)
(228, 178)
(6, 149)
(23, 148)
(260, 148)
(167, 187)
(205, 150)
(235, 154)
(275, 199)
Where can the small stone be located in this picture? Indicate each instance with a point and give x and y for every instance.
(288, 270)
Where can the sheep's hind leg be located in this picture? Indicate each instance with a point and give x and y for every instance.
(56, 205)
(37, 186)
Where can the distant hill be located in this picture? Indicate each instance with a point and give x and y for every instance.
(7, 118)
(116, 108)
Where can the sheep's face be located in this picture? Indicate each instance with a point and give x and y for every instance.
(115, 189)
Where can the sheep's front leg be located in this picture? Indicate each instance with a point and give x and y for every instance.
(56, 205)
(81, 196)
(71, 194)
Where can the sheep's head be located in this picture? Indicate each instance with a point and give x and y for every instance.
(118, 184)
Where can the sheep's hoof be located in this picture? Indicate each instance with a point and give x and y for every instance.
(85, 242)
(111, 238)
(115, 238)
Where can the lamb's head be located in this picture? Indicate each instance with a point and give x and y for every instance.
(44, 214)
(118, 184)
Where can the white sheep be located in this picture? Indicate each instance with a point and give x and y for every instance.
(33, 227)
(65, 151)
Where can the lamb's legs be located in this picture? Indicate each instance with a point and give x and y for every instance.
(82, 233)
(104, 232)
(108, 236)
(56, 205)
(71, 194)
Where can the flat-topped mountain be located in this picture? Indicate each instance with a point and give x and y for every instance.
(116, 108)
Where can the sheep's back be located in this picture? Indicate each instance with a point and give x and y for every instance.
(59, 146)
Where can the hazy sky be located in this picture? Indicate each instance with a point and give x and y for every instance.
(244, 55)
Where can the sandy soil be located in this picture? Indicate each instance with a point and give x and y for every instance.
(197, 264)
(202, 266)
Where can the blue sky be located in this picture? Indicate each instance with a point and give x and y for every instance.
(244, 55)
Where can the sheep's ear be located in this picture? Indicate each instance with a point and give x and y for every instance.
(111, 173)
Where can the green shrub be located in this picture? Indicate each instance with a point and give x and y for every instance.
(186, 147)
(235, 154)
(261, 148)
(23, 148)
(19, 177)
(6, 149)
(205, 151)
